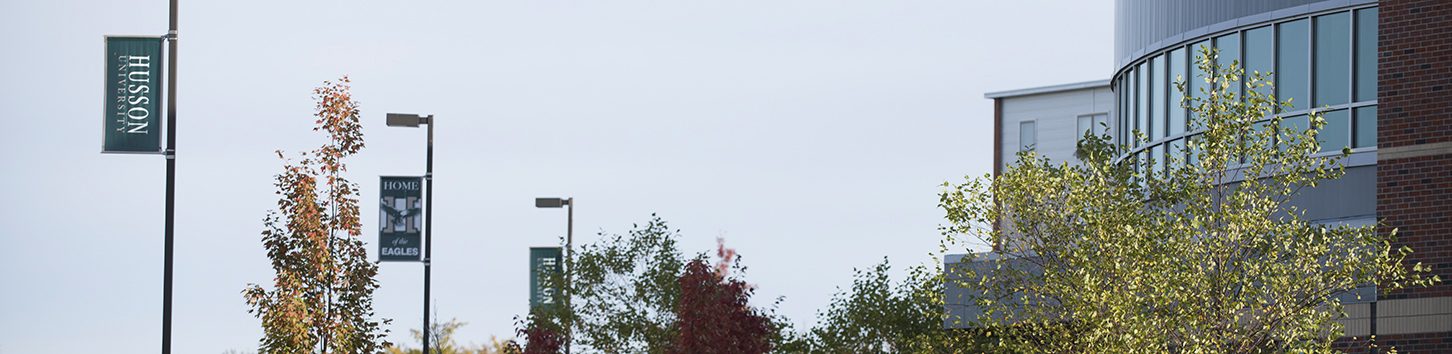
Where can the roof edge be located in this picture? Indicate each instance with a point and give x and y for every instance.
(1048, 89)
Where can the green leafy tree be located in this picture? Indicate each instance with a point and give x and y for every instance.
(1204, 255)
(442, 335)
(878, 316)
(625, 290)
(625, 295)
(322, 298)
(874, 317)
(621, 294)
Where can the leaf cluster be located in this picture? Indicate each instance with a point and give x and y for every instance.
(1201, 253)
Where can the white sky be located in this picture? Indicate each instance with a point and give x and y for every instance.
(812, 135)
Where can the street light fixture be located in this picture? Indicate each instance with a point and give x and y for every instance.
(413, 121)
(569, 222)
(569, 243)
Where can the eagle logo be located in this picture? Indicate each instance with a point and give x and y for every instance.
(398, 214)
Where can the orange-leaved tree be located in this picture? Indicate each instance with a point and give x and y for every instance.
(322, 298)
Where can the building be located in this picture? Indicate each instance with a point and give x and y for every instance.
(1048, 120)
(1382, 67)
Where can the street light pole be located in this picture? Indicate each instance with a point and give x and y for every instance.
(170, 183)
(428, 229)
(569, 248)
(413, 120)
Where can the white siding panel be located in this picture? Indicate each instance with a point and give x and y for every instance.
(1056, 118)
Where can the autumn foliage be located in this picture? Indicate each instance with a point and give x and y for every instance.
(714, 316)
(321, 300)
(542, 340)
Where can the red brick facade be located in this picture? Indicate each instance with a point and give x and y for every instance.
(1407, 343)
(1414, 110)
(1414, 78)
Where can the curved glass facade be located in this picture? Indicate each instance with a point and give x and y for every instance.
(1324, 61)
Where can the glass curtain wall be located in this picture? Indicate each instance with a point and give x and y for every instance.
(1323, 62)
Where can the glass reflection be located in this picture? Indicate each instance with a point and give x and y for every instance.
(1156, 161)
(1259, 56)
(1365, 131)
(1366, 54)
(1175, 154)
(1336, 134)
(1142, 122)
(1289, 125)
(1157, 98)
(1292, 63)
(1175, 68)
(1229, 56)
(1333, 59)
(1197, 80)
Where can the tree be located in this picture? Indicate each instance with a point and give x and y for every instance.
(878, 316)
(623, 292)
(875, 317)
(714, 314)
(639, 294)
(1204, 255)
(322, 298)
(542, 339)
(443, 342)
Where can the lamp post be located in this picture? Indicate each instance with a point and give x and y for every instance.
(413, 121)
(569, 247)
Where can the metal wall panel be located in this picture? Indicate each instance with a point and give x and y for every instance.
(1145, 26)
(1353, 195)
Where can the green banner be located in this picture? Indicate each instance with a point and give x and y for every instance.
(132, 117)
(400, 217)
(543, 262)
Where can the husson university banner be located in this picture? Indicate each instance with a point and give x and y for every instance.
(132, 117)
(400, 217)
(543, 261)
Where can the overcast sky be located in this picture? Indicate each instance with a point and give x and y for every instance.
(811, 135)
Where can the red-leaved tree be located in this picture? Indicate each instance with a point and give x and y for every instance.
(714, 316)
(542, 340)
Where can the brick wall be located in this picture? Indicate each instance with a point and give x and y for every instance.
(1414, 134)
(1414, 79)
(1434, 342)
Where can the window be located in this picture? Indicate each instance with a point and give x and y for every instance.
(1142, 123)
(1336, 134)
(1296, 124)
(1176, 73)
(1157, 98)
(1259, 56)
(1124, 110)
(1292, 61)
(1191, 150)
(1175, 154)
(1096, 124)
(1027, 137)
(1366, 56)
(1333, 59)
(1313, 61)
(1364, 133)
(1156, 162)
(1197, 80)
(1257, 133)
(1229, 46)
